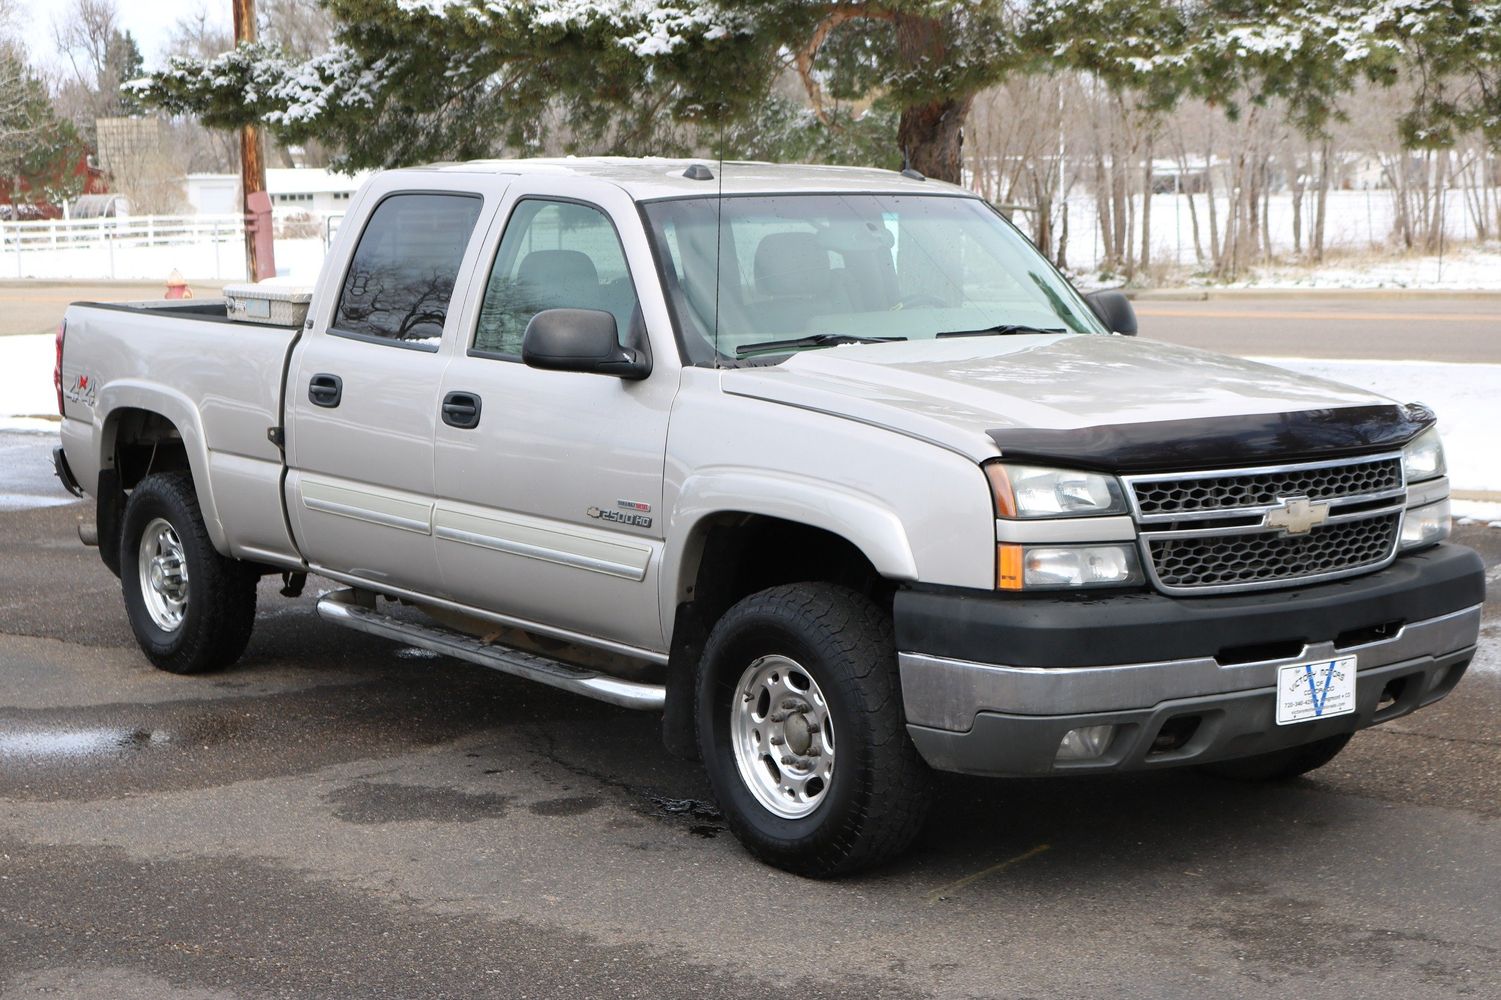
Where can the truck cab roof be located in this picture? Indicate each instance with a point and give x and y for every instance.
(652, 178)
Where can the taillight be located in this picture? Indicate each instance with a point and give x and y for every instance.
(57, 369)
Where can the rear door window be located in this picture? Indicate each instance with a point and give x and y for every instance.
(399, 286)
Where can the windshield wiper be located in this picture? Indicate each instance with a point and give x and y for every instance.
(812, 340)
(1002, 330)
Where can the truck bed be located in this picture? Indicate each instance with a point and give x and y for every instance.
(220, 383)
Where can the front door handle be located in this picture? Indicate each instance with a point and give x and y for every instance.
(325, 390)
(461, 410)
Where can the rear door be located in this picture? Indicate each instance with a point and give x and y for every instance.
(549, 504)
(363, 396)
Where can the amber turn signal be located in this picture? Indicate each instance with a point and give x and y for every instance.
(1008, 567)
(1000, 489)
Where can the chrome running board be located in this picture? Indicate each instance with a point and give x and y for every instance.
(342, 608)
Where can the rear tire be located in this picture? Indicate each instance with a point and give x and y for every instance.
(800, 725)
(1281, 765)
(191, 608)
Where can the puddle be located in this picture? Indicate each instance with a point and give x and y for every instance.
(417, 653)
(575, 805)
(26, 501)
(384, 802)
(71, 744)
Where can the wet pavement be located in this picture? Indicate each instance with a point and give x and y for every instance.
(336, 817)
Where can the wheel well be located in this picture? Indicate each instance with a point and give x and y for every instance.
(741, 554)
(138, 442)
(738, 555)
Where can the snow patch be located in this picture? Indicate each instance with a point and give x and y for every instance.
(26, 388)
(1466, 397)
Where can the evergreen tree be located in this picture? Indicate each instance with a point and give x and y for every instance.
(413, 80)
(38, 150)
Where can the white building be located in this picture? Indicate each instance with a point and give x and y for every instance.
(313, 190)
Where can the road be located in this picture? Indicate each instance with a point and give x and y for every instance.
(337, 816)
(1425, 328)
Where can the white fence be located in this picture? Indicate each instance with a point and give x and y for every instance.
(147, 246)
(201, 247)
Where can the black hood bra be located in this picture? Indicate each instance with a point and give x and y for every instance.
(1220, 442)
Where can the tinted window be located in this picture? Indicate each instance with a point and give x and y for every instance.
(554, 255)
(401, 280)
(755, 269)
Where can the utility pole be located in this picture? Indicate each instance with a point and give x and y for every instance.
(258, 264)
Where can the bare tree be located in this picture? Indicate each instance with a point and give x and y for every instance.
(83, 32)
(202, 149)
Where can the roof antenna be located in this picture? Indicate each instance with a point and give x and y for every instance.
(908, 170)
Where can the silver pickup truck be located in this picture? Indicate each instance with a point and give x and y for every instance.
(828, 466)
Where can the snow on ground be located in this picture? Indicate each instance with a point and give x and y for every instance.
(1357, 221)
(1466, 397)
(1467, 268)
(26, 389)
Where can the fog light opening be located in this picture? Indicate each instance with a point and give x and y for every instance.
(1174, 734)
(1391, 694)
(1085, 743)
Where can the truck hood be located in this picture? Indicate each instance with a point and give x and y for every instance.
(973, 394)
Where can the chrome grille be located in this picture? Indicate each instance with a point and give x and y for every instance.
(1261, 557)
(1227, 530)
(1229, 491)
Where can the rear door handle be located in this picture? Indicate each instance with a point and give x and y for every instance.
(325, 390)
(461, 410)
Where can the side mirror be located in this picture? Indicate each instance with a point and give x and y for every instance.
(1114, 310)
(580, 340)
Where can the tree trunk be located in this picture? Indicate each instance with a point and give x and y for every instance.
(1322, 206)
(930, 135)
(1295, 185)
(1102, 208)
(1062, 259)
(1146, 200)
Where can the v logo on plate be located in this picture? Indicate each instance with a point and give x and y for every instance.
(1319, 697)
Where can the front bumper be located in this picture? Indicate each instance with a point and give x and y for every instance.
(990, 685)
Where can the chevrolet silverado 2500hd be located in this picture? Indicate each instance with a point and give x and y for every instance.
(828, 466)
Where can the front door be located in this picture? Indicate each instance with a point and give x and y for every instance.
(549, 505)
(363, 402)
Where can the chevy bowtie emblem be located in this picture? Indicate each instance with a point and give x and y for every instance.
(1297, 515)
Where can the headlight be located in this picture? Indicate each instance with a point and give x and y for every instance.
(1425, 525)
(1032, 491)
(1055, 567)
(1423, 458)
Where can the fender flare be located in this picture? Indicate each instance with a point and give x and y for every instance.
(862, 520)
(173, 406)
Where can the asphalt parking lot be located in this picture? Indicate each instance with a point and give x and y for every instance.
(338, 816)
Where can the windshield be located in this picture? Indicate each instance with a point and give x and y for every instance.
(798, 272)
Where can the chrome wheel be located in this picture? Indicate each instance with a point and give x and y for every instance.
(783, 737)
(163, 571)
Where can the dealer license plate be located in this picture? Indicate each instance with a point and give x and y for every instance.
(1315, 690)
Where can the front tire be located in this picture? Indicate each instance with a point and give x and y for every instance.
(191, 609)
(800, 726)
(1280, 765)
